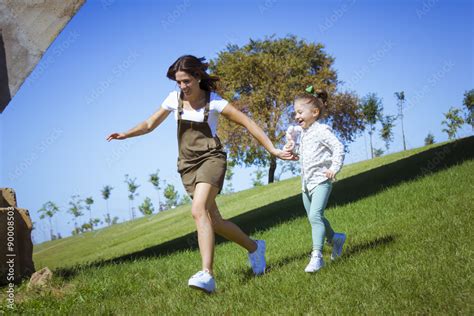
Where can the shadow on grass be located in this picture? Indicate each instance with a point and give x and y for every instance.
(345, 191)
(348, 253)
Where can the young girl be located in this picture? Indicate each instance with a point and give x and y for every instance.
(202, 161)
(321, 155)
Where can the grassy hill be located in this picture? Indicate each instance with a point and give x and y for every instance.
(408, 217)
(147, 232)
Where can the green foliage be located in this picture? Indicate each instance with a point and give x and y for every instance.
(468, 102)
(288, 166)
(185, 200)
(76, 208)
(171, 196)
(429, 139)
(378, 152)
(228, 177)
(386, 133)
(262, 79)
(257, 180)
(372, 109)
(453, 121)
(110, 220)
(146, 207)
(132, 188)
(48, 210)
(89, 201)
(106, 192)
(401, 103)
(155, 181)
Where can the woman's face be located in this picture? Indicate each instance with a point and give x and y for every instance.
(187, 83)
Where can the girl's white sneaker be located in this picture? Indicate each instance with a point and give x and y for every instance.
(316, 262)
(203, 281)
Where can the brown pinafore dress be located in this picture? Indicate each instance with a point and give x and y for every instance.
(201, 156)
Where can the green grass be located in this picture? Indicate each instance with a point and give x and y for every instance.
(146, 232)
(408, 252)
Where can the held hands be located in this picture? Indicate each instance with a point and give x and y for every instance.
(116, 136)
(290, 143)
(284, 155)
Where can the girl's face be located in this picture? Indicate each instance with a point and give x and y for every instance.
(305, 113)
(187, 83)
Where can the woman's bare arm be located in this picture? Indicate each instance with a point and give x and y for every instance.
(144, 127)
(238, 117)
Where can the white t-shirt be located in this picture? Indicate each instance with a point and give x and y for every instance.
(216, 106)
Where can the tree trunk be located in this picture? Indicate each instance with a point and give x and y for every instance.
(271, 171)
(403, 134)
(50, 229)
(371, 147)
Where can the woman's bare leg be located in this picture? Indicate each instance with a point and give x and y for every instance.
(204, 195)
(229, 230)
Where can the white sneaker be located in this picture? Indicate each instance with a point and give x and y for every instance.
(257, 258)
(203, 281)
(316, 262)
(338, 241)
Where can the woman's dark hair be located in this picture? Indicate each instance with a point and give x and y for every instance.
(195, 67)
(318, 99)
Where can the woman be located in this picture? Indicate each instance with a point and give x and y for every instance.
(202, 161)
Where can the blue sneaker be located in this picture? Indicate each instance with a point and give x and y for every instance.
(203, 281)
(338, 241)
(257, 258)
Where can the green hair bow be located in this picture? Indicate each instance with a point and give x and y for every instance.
(310, 89)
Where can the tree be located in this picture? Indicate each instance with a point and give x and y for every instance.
(89, 201)
(228, 177)
(86, 227)
(48, 210)
(106, 194)
(171, 196)
(109, 220)
(453, 121)
(429, 139)
(147, 207)
(372, 109)
(378, 152)
(292, 166)
(132, 188)
(258, 178)
(387, 130)
(155, 181)
(185, 200)
(401, 101)
(469, 104)
(262, 79)
(75, 209)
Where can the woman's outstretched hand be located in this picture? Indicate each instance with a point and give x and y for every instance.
(116, 136)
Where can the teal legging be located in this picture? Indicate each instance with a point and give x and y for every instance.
(315, 203)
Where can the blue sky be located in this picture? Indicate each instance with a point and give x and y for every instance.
(106, 72)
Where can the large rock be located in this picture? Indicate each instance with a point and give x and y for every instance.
(16, 247)
(40, 279)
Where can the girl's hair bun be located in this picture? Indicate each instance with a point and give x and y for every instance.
(322, 95)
